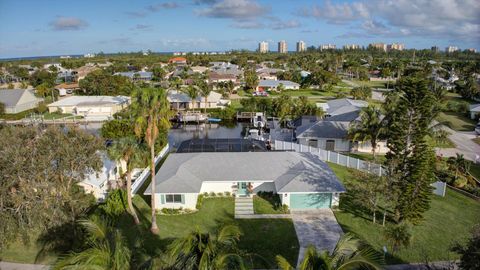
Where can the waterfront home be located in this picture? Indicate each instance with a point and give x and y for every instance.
(178, 61)
(331, 133)
(302, 180)
(98, 183)
(181, 101)
(214, 77)
(99, 108)
(273, 85)
(18, 100)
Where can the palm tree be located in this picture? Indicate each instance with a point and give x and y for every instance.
(129, 151)
(205, 90)
(200, 250)
(349, 253)
(370, 127)
(459, 164)
(106, 249)
(193, 93)
(398, 235)
(152, 112)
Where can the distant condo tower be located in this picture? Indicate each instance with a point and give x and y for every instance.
(351, 47)
(301, 47)
(263, 47)
(282, 47)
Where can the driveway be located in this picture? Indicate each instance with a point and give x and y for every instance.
(318, 228)
(464, 144)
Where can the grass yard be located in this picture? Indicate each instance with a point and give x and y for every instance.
(449, 220)
(265, 237)
(380, 158)
(373, 84)
(457, 121)
(25, 253)
(265, 206)
(50, 116)
(476, 140)
(16, 116)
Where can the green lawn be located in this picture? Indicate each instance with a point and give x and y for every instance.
(372, 84)
(263, 206)
(265, 237)
(456, 121)
(50, 116)
(475, 170)
(449, 220)
(16, 116)
(380, 158)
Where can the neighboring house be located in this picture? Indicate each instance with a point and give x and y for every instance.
(99, 183)
(99, 108)
(18, 100)
(181, 101)
(137, 76)
(225, 68)
(474, 111)
(178, 60)
(267, 76)
(302, 180)
(272, 85)
(199, 69)
(67, 88)
(214, 77)
(331, 133)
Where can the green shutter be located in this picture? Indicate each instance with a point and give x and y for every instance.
(183, 198)
(162, 198)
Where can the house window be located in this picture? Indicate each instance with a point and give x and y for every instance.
(173, 198)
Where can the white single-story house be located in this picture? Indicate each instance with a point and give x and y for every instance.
(99, 183)
(181, 101)
(474, 111)
(18, 100)
(91, 107)
(272, 85)
(136, 75)
(302, 180)
(331, 133)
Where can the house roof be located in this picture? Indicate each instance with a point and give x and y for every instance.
(290, 171)
(130, 74)
(275, 83)
(177, 60)
(11, 97)
(178, 96)
(326, 129)
(475, 107)
(90, 101)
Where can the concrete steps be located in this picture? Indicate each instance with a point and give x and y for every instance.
(243, 206)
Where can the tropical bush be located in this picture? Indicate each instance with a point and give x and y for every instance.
(116, 203)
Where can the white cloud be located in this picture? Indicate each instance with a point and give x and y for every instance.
(234, 9)
(68, 23)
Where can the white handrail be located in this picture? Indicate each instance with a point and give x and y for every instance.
(146, 172)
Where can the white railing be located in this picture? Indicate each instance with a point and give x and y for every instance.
(333, 157)
(146, 172)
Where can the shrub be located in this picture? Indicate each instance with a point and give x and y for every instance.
(457, 106)
(200, 201)
(460, 182)
(220, 194)
(285, 209)
(116, 203)
(171, 211)
(205, 194)
(41, 108)
(212, 194)
(227, 194)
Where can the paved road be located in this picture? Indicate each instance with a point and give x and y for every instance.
(22, 266)
(319, 228)
(464, 145)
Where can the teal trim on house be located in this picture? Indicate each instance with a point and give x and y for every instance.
(162, 198)
(183, 198)
(310, 200)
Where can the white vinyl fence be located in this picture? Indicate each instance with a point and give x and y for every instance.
(146, 172)
(333, 157)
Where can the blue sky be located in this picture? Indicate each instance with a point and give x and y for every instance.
(34, 28)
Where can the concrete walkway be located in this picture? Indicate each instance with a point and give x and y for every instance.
(22, 266)
(318, 228)
(243, 206)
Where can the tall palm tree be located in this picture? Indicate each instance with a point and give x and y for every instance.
(349, 253)
(205, 90)
(200, 250)
(193, 93)
(152, 112)
(370, 127)
(129, 151)
(106, 249)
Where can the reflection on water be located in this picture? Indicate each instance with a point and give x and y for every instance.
(180, 132)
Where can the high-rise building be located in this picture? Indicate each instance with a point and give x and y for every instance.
(263, 47)
(396, 46)
(301, 47)
(435, 49)
(282, 47)
(379, 46)
(328, 47)
(451, 49)
(351, 47)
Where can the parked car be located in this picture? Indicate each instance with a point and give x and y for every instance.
(260, 94)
